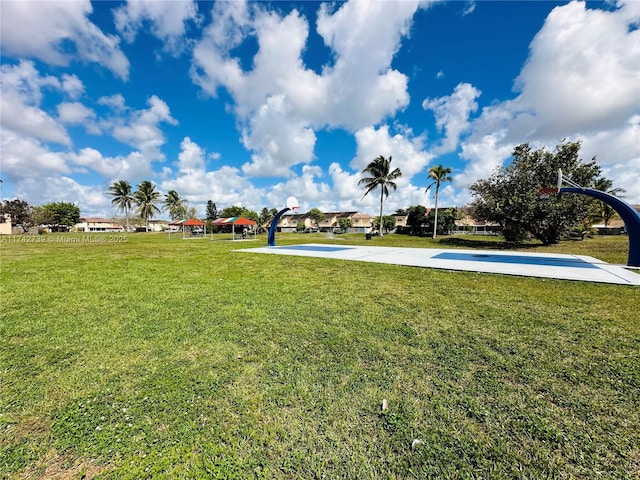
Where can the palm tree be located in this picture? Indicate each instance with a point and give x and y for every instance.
(381, 176)
(175, 205)
(122, 199)
(264, 219)
(606, 185)
(439, 175)
(146, 198)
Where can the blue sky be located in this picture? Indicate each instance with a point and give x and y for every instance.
(250, 103)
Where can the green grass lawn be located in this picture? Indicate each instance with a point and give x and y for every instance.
(158, 358)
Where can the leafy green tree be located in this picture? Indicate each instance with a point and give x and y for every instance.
(380, 175)
(265, 217)
(236, 211)
(510, 196)
(446, 221)
(175, 205)
(250, 214)
(416, 217)
(146, 198)
(20, 211)
(300, 226)
(41, 216)
(212, 210)
(62, 214)
(316, 215)
(438, 174)
(122, 198)
(388, 223)
(345, 224)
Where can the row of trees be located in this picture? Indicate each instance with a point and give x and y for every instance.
(148, 202)
(146, 199)
(510, 196)
(381, 176)
(57, 215)
(420, 221)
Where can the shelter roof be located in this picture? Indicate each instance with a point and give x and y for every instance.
(233, 221)
(192, 222)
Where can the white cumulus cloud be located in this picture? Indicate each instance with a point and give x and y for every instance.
(279, 102)
(406, 151)
(75, 113)
(167, 20)
(580, 82)
(21, 88)
(226, 186)
(452, 114)
(45, 30)
(140, 128)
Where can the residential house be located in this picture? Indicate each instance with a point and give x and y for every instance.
(360, 222)
(467, 224)
(289, 223)
(158, 225)
(331, 221)
(401, 220)
(5, 224)
(98, 224)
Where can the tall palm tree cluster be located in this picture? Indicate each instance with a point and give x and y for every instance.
(380, 175)
(145, 199)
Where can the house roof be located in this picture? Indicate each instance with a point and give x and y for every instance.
(340, 214)
(295, 216)
(97, 220)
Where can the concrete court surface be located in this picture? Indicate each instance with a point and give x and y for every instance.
(545, 265)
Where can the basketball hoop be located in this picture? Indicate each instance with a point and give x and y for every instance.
(292, 203)
(545, 193)
(560, 178)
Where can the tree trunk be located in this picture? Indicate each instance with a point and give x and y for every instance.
(435, 220)
(381, 200)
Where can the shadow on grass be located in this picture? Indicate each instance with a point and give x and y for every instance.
(490, 244)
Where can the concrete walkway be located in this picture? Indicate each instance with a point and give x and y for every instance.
(545, 265)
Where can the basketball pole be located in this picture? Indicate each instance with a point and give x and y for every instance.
(291, 204)
(628, 214)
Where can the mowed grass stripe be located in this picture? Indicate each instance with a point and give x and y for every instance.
(167, 358)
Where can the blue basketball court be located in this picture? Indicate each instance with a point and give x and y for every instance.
(544, 265)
